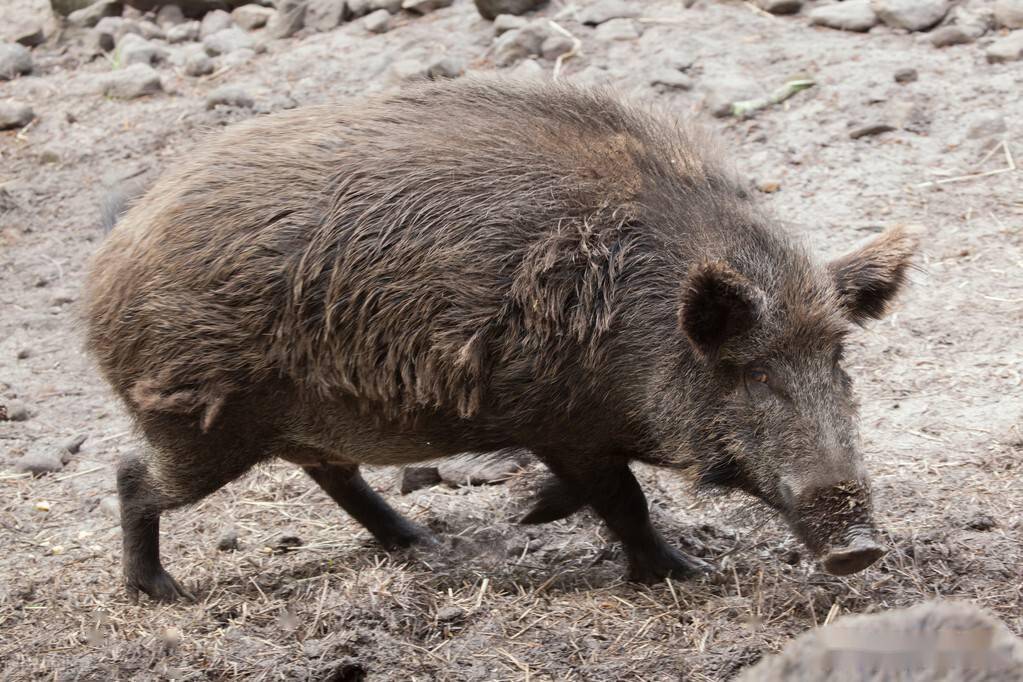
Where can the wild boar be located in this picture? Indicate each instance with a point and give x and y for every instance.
(474, 265)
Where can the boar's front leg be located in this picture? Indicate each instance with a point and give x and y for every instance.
(348, 488)
(612, 491)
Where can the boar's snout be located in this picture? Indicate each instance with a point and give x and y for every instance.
(852, 558)
(836, 524)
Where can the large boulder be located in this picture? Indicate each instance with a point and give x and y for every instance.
(941, 640)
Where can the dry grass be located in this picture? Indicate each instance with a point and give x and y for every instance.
(500, 601)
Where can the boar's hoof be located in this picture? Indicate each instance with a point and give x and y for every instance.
(851, 559)
(667, 562)
(159, 585)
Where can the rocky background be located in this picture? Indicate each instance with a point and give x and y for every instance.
(845, 116)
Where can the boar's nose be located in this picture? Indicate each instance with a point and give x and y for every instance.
(852, 558)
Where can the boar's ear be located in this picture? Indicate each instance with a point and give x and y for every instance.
(718, 304)
(869, 278)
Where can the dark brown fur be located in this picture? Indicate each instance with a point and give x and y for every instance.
(467, 265)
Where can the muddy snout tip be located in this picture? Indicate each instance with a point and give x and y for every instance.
(852, 559)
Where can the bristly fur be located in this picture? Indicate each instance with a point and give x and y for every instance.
(399, 283)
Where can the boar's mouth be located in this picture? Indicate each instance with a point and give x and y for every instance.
(836, 525)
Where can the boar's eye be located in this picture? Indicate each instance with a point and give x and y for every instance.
(758, 375)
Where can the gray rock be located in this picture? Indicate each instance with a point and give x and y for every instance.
(416, 478)
(906, 75)
(404, 70)
(87, 17)
(780, 6)
(229, 96)
(109, 30)
(186, 32)
(507, 22)
(198, 64)
(74, 443)
(228, 40)
(360, 8)
(494, 467)
(946, 36)
(40, 462)
(516, 45)
(1009, 13)
(392, 6)
(914, 634)
(326, 15)
(228, 540)
(238, 57)
(15, 60)
(605, 10)
(378, 21)
(32, 37)
(912, 15)
(110, 507)
(556, 45)
(726, 91)
(529, 68)
(986, 125)
(215, 22)
(14, 115)
(65, 7)
(667, 79)
(170, 15)
(491, 9)
(871, 129)
(851, 15)
(250, 17)
(425, 6)
(134, 49)
(137, 80)
(151, 31)
(14, 411)
(679, 58)
(448, 614)
(618, 29)
(445, 67)
(1007, 49)
(287, 20)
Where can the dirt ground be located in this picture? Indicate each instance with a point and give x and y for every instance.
(941, 384)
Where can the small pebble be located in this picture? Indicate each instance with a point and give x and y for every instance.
(15, 115)
(906, 75)
(24, 353)
(231, 96)
(39, 462)
(14, 411)
(378, 21)
(74, 444)
(508, 22)
(286, 543)
(870, 130)
(425, 6)
(228, 541)
(447, 614)
(214, 22)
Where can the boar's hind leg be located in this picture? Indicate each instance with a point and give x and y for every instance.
(347, 487)
(142, 501)
(615, 495)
